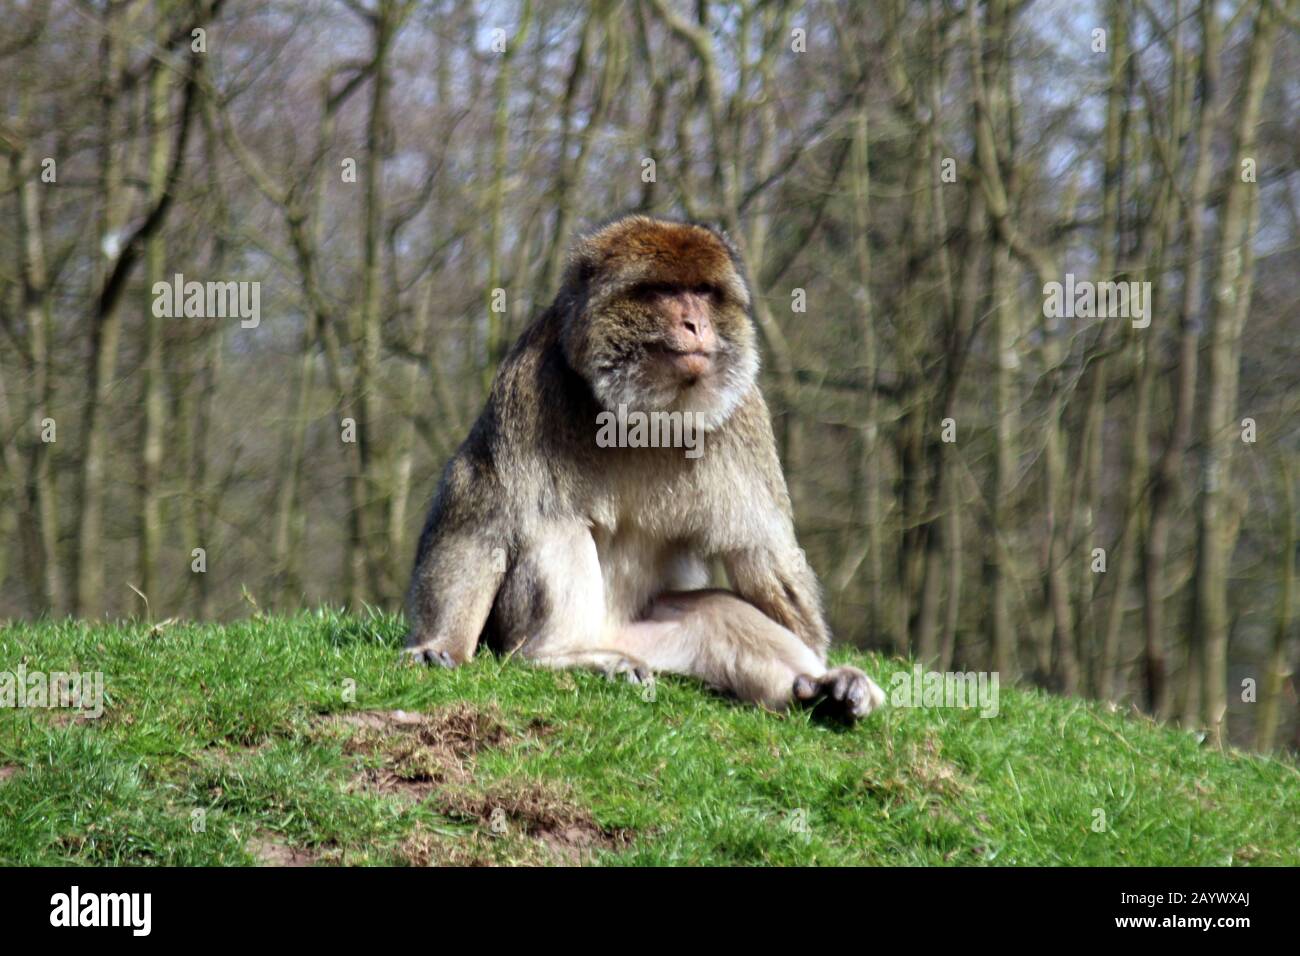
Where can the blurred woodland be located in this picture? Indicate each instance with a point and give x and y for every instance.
(1075, 502)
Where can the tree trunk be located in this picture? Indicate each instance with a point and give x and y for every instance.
(1165, 486)
(45, 576)
(1231, 290)
(105, 331)
(1279, 670)
(151, 439)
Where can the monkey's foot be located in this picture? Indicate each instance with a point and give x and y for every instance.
(427, 654)
(610, 663)
(842, 693)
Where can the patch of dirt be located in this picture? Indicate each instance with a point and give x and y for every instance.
(268, 850)
(6, 772)
(463, 728)
(422, 848)
(422, 757)
(568, 832)
(419, 752)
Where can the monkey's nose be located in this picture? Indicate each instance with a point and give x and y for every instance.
(694, 332)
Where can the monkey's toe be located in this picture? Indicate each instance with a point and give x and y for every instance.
(427, 655)
(806, 687)
(633, 671)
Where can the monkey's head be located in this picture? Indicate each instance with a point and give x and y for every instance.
(658, 319)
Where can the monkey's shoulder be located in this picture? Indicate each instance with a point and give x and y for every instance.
(539, 404)
(526, 442)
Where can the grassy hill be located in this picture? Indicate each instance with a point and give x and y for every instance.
(301, 741)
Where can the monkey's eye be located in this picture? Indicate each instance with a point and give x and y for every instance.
(648, 291)
(708, 290)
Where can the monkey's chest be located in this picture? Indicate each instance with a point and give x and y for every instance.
(638, 564)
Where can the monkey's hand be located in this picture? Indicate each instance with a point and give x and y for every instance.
(841, 693)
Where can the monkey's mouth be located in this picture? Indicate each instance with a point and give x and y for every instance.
(690, 365)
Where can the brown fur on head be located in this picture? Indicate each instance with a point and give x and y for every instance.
(658, 319)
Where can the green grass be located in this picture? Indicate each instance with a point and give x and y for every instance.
(228, 720)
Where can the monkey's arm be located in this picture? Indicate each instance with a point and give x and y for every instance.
(779, 582)
(763, 560)
(452, 591)
(458, 569)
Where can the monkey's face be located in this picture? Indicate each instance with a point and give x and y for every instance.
(660, 321)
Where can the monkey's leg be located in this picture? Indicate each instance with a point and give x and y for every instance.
(553, 607)
(612, 663)
(451, 594)
(727, 642)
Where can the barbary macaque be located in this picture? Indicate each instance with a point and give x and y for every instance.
(544, 542)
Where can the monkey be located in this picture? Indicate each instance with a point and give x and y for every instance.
(543, 541)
